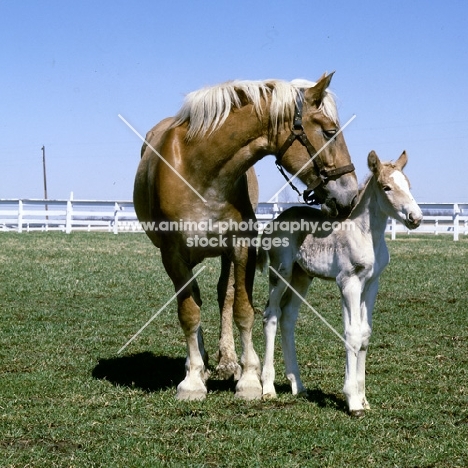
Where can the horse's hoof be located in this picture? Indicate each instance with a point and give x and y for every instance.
(303, 394)
(249, 394)
(357, 413)
(192, 395)
(268, 391)
(226, 371)
(190, 390)
(250, 390)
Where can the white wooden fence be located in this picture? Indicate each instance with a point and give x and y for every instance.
(439, 218)
(27, 215)
(65, 215)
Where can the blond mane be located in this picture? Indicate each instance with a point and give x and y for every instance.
(207, 109)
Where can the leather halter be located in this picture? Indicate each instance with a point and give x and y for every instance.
(298, 133)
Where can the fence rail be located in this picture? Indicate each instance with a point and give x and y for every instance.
(27, 215)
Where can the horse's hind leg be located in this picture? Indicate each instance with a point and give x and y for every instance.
(248, 387)
(193, 386)
(290, 309)
(227, 358)
(271, 316)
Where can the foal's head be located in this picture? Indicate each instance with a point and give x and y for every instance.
(395, 198)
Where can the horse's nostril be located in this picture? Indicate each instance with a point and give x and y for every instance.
(414, 219)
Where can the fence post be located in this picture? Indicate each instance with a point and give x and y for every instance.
(456, 221)
(69, 215)
(393, 229)
(20, 216)
(116, 218)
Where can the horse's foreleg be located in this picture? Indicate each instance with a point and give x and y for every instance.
(367, 306)
(193, 386)
(350, 288)
(290, 310)
(227, 358)
(248, 387)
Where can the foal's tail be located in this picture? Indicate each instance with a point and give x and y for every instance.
(262, 259)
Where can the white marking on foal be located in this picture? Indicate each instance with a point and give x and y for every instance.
(402, 183)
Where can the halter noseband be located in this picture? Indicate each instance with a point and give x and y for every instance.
(298, 133)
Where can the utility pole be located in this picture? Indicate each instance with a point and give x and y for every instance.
(45, 178)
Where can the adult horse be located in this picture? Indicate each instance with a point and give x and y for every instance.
(192, 174)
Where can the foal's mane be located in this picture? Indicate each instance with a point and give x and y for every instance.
(207, 109)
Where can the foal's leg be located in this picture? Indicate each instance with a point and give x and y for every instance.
(227, 357)
(248, 387)
(350, 288)
(367, 306)
(290, 310)
(188, 300)
(271, 315)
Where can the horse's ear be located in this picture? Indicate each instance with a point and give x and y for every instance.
(316, 93)
(374, 163)
(401, 161)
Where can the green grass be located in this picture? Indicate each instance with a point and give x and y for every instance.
(69, 302)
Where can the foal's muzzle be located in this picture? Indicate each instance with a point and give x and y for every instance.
(413, 220)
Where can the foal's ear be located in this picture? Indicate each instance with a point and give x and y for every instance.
(316, 93)
(374, 163)
(401, 161)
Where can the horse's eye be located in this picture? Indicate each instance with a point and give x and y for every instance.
(329, 134)
(387, 188)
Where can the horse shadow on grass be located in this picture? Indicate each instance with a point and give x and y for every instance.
(152, 373)
(318, 397)
(149, 372)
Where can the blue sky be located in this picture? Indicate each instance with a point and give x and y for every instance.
(68, 68)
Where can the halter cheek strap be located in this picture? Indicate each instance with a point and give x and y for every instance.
(298, 133)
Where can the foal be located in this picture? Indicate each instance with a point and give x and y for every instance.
(355, 257)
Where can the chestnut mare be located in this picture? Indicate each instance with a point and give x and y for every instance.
(193, 173)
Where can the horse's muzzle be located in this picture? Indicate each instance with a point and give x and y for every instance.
(413, 221)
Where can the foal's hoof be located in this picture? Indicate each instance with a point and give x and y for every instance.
(269, 392)
(360, 413)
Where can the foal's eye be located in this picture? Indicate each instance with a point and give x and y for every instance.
(329, 134)
(387, 188)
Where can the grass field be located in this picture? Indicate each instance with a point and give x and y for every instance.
(69, 302)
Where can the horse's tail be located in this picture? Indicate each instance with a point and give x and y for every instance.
(262, 258)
